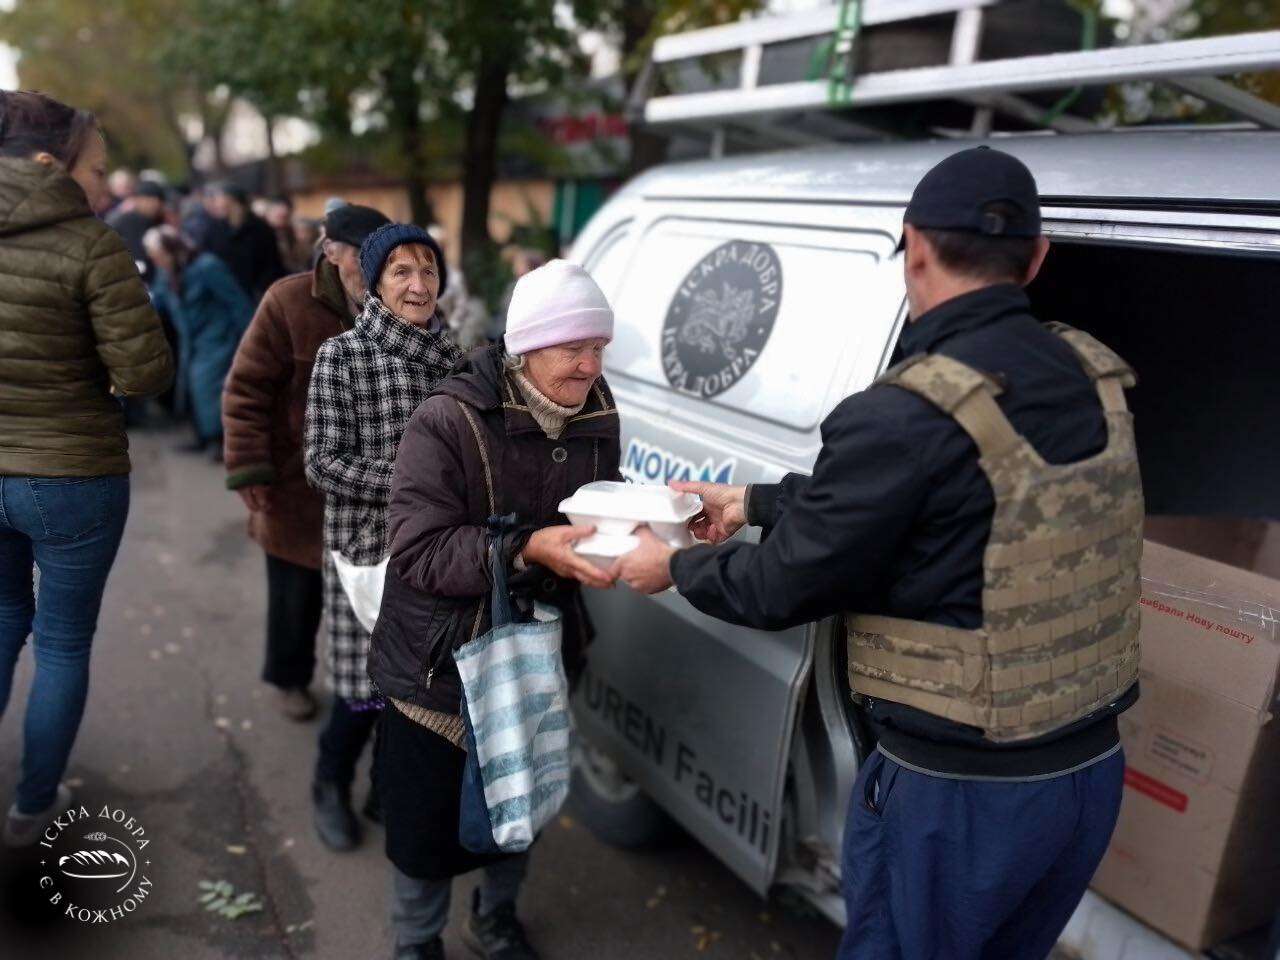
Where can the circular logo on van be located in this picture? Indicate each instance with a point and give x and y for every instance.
(720, 319)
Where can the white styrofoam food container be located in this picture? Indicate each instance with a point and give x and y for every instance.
(617, 509)
(603, 549)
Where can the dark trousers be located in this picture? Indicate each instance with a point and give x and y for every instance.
(342, 741)
(294, 598)
(968, 869)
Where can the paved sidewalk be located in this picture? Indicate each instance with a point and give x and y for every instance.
(180, 733)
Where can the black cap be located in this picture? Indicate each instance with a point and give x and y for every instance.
(149, 188)
(959, 193)
(352, 223)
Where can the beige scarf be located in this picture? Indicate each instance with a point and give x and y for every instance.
(551, 417)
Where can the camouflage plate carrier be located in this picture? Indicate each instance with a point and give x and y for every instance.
(1059, 637)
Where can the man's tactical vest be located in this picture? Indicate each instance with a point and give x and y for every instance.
(1059, 637)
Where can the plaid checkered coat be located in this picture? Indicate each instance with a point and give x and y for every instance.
(365, 385)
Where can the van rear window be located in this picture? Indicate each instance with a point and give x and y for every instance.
(753, 317)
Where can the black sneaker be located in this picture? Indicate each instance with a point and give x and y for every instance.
(432, 950)
(498, 935)
(335, 821)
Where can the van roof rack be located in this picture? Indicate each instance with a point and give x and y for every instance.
(823, 109)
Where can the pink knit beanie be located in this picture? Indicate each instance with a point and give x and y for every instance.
(554, 304)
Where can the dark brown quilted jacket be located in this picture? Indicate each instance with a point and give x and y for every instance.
(75, 323)
(264, 404)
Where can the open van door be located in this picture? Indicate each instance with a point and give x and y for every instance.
(736, 334)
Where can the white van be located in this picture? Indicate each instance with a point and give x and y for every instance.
(752, 295)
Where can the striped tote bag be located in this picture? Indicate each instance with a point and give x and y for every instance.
(516, 703)
(515, 700)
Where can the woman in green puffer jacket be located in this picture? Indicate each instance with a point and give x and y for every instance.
(76, 327)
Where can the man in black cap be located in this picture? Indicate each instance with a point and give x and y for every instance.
(242, 239)
(976, 516)
(263, 409)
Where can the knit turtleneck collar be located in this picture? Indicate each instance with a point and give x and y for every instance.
(548, 414)
(397, 336)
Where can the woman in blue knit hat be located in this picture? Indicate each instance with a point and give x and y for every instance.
(364, 386)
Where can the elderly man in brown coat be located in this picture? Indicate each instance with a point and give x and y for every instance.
(263, 412)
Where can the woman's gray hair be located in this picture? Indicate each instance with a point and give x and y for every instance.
(513, 363)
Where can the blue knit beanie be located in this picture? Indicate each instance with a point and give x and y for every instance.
(379, 244)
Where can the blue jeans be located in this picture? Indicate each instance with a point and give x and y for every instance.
(969, 869)
(71, 528)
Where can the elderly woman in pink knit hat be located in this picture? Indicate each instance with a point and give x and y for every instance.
(516, 429)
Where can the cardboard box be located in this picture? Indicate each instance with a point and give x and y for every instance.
(1196, 853)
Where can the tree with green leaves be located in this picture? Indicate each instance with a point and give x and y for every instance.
(105, 56)
(638, 23)
(402, 65)
(532, 46)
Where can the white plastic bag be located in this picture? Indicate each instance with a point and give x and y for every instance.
(363, 587)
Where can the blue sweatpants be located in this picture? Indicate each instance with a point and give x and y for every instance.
(944, 869)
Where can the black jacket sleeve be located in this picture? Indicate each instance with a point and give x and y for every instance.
(833, 534)
(767, 502)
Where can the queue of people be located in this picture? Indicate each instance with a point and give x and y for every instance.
(950, 510)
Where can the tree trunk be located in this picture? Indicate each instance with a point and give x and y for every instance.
(647, 149)
(275, 173)
(214, 121)
(480, 153)
(421, 210)
(406, 106)
(179, 134)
